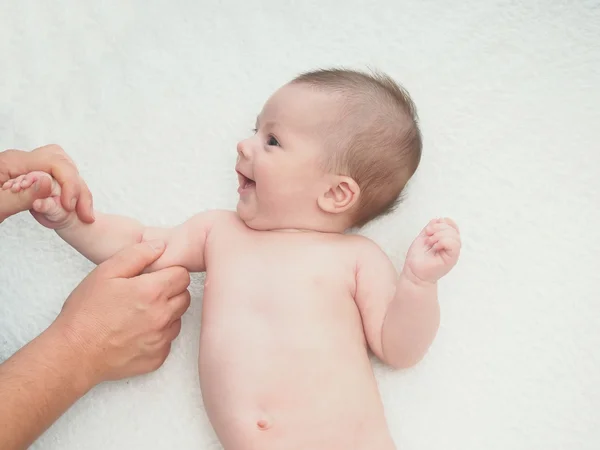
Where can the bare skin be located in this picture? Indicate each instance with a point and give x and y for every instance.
(115, 324)
(291, 304)
(52, 159)
(290, 329)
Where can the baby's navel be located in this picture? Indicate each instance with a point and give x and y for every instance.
(263, 424)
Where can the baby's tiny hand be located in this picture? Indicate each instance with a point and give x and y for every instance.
(47, 211)
(435, 251)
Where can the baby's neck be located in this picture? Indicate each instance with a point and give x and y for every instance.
(320, 225)
(303, 230)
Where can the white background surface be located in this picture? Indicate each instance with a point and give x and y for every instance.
(150, 99)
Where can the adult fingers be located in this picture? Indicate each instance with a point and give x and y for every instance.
(179, 304)
(71, 192)
(170, 281)
(48, 158)
(12, 164)
(172, 331)
(131, 261)
(13, 203)
(149, 362)
(159, 358)
(53, 159)
(85, 204)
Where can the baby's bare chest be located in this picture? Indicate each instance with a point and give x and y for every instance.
(278, 271)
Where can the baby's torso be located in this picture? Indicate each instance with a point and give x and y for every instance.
(283, 362)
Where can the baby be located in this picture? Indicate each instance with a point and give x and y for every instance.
(292, 302)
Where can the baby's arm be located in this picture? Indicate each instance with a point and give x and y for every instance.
(110, 233)
(401, 313)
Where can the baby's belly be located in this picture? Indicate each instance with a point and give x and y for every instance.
(296, 380)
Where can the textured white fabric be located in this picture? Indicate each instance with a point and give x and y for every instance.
(150, 99)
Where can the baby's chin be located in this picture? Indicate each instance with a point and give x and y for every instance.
(245, 215)
(252, 219)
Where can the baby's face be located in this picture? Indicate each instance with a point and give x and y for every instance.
(279, 168)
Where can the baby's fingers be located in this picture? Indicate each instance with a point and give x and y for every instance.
(441, 224)
(452, 223)
(44, 205)
(444, 233)
(19, 183)
(28, 180)
(16, 186)
(437, 227)
(449, 245)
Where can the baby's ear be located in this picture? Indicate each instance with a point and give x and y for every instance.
(342, 195)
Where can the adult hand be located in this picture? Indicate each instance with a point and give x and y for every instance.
(53, 160)
(116, 323)
(122, 326)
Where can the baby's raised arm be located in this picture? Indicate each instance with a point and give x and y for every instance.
(400, 312)
(109, 233)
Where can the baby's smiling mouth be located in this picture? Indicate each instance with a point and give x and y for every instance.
(244, 181)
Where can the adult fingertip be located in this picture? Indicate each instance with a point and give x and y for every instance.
(66, 198)
(74, 194)
(85, 211)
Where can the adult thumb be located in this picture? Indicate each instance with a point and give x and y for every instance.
(131, 261)
(15, 202)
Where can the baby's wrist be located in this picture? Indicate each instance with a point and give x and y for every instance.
(69, 223)
(415, 280)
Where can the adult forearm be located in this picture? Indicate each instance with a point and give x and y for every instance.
(37, 385)
(411, 322)
(100, 240)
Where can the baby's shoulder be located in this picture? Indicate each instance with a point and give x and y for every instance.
(371, 263)
(209, 220)
(364, 248)
(215, 216)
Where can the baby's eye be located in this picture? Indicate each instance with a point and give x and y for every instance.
(273, 141)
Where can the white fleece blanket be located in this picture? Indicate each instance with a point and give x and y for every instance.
(150, 99)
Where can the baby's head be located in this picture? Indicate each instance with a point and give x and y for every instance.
(332, 150)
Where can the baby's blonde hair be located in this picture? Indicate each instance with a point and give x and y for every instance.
(377, 141)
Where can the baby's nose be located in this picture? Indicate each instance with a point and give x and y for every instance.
(243, 149)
